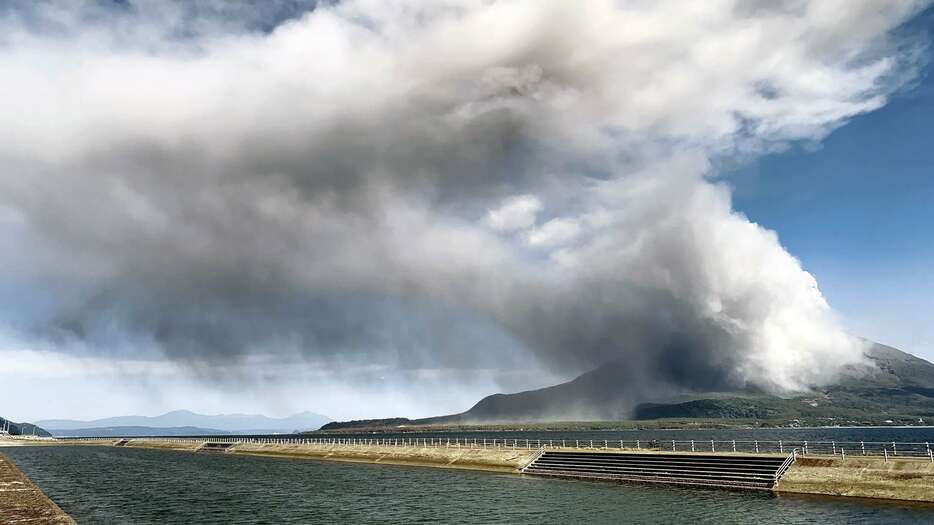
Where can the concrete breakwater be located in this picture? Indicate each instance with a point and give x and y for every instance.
(861, 477)
(886, 477)
(22, 502)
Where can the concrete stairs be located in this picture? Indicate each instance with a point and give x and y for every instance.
(214, 448)
(724, 471)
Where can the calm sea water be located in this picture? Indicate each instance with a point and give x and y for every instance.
(134, 486)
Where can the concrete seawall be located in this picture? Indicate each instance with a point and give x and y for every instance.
(21, 501)
(859, 477)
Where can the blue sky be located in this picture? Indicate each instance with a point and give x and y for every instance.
(859, 213)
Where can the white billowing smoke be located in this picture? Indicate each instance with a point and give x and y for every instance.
(370, 177)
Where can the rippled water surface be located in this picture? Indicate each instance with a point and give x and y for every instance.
(134, 486)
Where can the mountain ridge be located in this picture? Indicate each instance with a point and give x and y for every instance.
(23, 429)
(245, 423)
(900, 388)
(132, 431)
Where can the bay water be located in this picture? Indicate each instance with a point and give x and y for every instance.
(109, 485)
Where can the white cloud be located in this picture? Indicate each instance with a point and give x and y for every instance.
(514, 213)
(340, 185)
(554, 232)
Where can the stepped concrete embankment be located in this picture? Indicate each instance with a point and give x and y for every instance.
(21, 501)
(747, 472)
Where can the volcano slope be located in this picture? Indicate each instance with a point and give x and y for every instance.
(898, 389)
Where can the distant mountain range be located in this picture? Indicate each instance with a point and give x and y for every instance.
(899, 390)
(23, 429)
(184, 422)
(138, 431)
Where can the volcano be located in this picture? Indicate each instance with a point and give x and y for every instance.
(897, 388)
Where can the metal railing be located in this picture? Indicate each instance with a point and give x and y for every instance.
(789, 461)
(804, 448)
(26, 437)
(540, 453)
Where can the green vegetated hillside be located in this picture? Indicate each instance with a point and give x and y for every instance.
(899, 389)
(23, 429)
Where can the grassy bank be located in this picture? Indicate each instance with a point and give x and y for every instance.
(496, 460)
(489, 459)
(898, 479)
(22, 502)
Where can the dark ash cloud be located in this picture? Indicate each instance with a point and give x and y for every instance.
(449, 184)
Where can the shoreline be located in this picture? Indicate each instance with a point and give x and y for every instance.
(21, 501)
(908, 480)
(858, 477)
(500, 460)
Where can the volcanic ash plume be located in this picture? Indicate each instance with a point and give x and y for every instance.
(428, 184)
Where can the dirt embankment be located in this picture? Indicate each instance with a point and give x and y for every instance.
(898, 479)
(22, 502)
(496, 459)
(164, 445)
(24, 441)
(490, 459)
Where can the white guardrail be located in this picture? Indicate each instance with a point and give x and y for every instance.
(789, 461)
(803, 448)
(533, 459)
